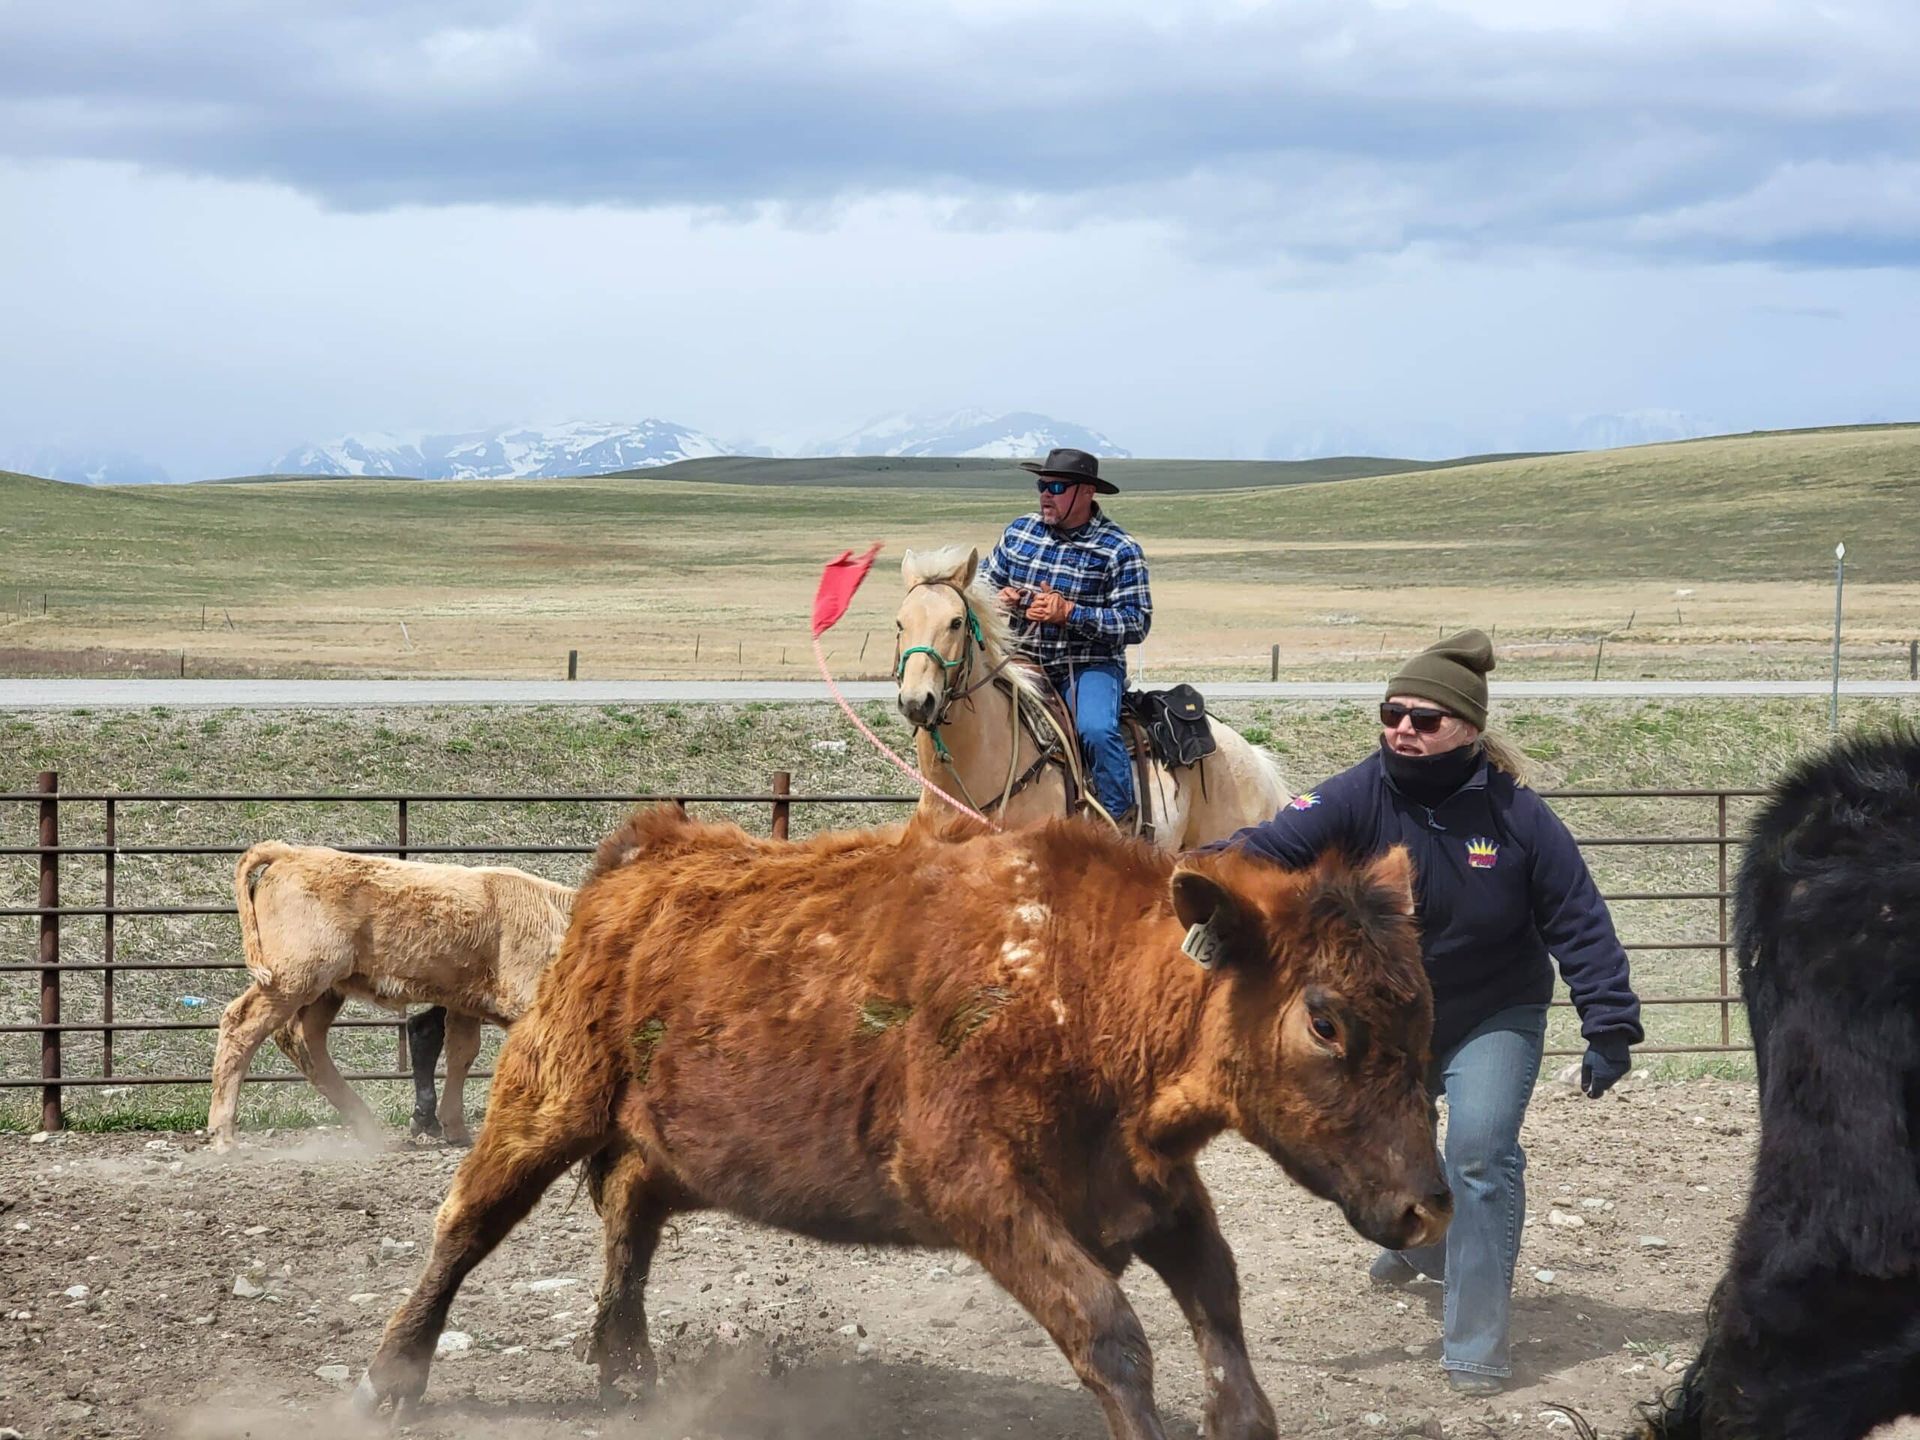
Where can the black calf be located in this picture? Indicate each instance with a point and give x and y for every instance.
(1814, 1332)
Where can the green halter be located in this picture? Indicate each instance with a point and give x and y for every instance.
(974, 639)
(973, 630)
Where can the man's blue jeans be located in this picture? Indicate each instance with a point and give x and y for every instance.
(1487, 1079)
(1095, 697)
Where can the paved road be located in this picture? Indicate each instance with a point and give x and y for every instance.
(376, 694)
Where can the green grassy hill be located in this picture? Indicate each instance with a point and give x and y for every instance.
(878, 471)
(1759, 507)
(1134, 477)
(1744, 508)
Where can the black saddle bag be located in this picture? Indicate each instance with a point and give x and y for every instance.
(1176, 723)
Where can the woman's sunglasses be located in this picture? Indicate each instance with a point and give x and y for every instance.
(1425, 721)
(1055, 487)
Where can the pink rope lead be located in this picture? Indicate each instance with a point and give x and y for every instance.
(882, 746)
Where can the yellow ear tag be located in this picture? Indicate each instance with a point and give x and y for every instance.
(1201, 945)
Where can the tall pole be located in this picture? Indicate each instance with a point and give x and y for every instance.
(1839, 586)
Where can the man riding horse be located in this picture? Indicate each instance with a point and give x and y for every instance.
(1075, 585)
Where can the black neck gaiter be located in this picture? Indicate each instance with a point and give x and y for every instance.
(1429, 779)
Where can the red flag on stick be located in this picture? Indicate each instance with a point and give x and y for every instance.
(838, 581)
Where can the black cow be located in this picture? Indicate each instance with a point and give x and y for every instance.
(426, 1038)
(1814, 1331)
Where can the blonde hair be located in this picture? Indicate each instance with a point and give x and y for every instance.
(1504, 754)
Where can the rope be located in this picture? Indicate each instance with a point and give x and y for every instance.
(833, 689)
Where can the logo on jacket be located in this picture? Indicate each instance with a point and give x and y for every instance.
(1304, 802)
(1482, 853)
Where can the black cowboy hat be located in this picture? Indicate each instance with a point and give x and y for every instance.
(1066, 464)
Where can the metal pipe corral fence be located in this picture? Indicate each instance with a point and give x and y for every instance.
(54, 957)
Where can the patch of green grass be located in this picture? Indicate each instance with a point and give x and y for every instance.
(183, 1108)
(104, 1122)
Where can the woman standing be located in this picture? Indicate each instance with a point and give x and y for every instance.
(1501, 886)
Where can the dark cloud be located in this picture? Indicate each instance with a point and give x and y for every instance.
(1316, 130)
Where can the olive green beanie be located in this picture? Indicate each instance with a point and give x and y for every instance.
(1452, 673)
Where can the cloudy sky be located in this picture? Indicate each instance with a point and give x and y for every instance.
(1205, 227)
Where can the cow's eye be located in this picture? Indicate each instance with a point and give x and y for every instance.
(1325, 1029)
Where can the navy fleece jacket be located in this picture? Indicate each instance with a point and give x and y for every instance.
(1500, 886)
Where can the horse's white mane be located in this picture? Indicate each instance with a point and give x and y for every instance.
(949, 564)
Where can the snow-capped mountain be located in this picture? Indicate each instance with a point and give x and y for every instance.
(84, 467)
(1638, 427)
(972, 434)
(508, 452)
(1407, 441)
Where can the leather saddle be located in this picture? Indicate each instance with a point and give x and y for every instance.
(1169, 726)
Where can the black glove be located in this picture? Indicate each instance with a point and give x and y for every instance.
(1604, 1068)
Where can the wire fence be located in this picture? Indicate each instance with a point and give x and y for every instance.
(89, 943)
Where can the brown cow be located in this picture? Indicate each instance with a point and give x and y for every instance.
(320, 926)
(983, 1040)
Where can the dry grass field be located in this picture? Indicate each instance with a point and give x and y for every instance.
(1709, 558)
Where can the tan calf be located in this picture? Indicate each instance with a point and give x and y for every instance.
(321, 926)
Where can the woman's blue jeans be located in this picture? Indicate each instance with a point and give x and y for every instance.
(1487, 1079)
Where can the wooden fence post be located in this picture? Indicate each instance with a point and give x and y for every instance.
(573, 664)
(1276, 662)
(51, 1116)
(1913, 659)
(782, 809)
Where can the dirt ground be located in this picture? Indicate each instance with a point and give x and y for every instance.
(130, 1266)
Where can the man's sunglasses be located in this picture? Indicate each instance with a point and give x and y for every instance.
(1425, 721)
(1055, 487)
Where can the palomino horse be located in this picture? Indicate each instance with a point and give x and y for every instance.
(981, 720)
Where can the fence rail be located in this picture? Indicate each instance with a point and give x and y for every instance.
(52, 961)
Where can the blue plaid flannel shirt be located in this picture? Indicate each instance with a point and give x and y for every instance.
(1099, 567)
